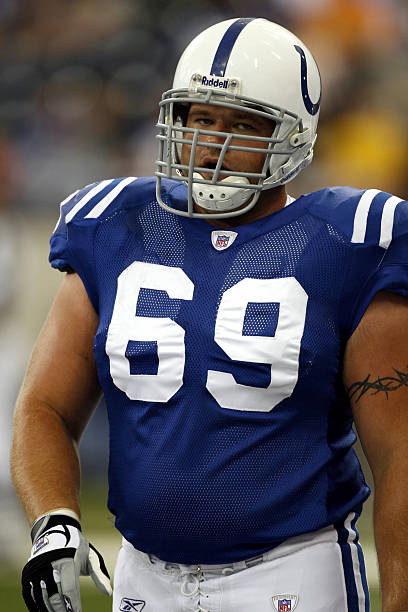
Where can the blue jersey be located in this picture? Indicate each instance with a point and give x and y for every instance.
(220, 358)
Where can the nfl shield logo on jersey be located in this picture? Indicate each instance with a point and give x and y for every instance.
(222, 239)
(285, 603)
(131, 605)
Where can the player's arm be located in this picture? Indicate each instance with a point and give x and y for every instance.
(376, 377)
(56, 401)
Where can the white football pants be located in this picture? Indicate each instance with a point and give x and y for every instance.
(318, 572)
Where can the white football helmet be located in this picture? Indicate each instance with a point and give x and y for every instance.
(256, 66)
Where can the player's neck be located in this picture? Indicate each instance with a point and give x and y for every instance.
(269, 201)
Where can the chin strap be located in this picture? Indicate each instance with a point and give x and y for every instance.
(220, 197)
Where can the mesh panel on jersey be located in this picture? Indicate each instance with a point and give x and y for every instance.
(261, 319)
(206, 480)
(274, 255)
(155, 303)
(163, 238)
(142, 357)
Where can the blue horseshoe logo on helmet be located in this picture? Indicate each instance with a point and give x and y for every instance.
(311, 108)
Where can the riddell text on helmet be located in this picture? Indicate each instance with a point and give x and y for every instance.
(222, 83)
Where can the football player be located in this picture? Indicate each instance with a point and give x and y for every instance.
(236, 334)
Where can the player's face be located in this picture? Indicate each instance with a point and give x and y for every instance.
(217, 118)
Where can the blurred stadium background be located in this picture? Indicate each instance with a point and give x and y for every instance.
(79, 85)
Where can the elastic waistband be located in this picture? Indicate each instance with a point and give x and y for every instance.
(290, 546)
(157, 564)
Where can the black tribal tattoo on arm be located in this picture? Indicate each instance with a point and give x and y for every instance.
(384, 385)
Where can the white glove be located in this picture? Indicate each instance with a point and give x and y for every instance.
(60, 554)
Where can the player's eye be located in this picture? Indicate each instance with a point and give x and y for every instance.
(245, 127)
(203, 121)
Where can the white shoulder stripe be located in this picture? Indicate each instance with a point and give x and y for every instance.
(104, 203)
(62, 204)
(360, 217)
(387, 221)
(81, 203)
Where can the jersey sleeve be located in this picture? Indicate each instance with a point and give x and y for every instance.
(390, 269)
(81, 216)
(71, 244)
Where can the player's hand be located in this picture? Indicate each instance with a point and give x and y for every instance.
(60, 554)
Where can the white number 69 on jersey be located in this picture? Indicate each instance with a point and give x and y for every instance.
(281, 351)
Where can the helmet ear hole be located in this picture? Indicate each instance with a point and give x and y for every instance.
(180, 113)
(179, 119)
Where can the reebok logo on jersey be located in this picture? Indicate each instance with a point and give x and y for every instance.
(285, 603)
(222, 239)
(131, 605)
